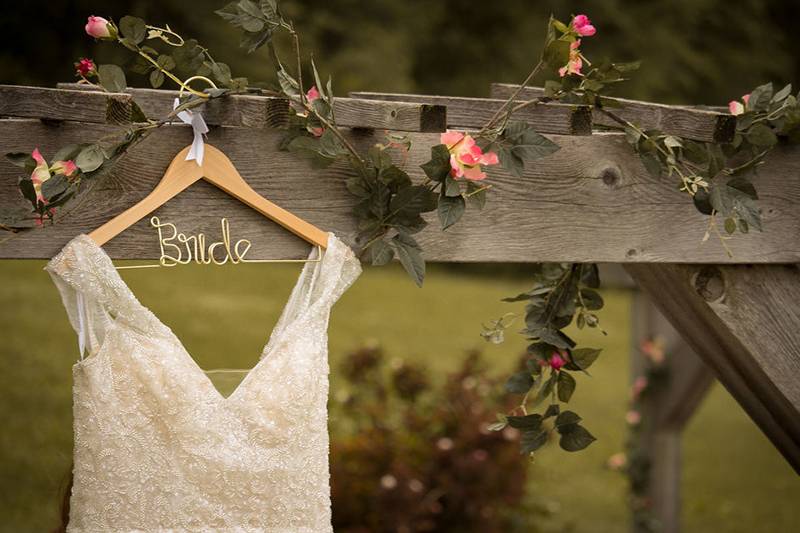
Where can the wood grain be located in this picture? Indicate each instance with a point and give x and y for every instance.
(590, 201)
(688, 122)
(742, 320)
(475, 112)
(56, 104)
(251, 111)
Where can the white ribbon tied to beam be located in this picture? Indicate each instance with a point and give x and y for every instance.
(195, 120)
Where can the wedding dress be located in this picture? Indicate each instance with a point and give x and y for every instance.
(158, 448)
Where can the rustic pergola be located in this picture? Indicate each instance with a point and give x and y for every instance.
(592, 201)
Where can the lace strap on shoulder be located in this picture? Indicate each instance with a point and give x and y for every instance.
(340, 269)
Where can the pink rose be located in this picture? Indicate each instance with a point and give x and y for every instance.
(557, 361)
(575, 63)
(466, 157)
(583, 26)
(617, 461)
(633, 418)
(312, 94)
(639, 386)
(737, 108)
(100, 28)
(40, 174)
(85, 67)
(64, 167)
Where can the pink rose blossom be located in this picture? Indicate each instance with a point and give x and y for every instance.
(737, 108)
(312, 94)
(100, 28)
(617, 461)
(40, 175)
(633, 418)
(639, 385)
(85, 67)
(583, 26)
(64, 167)
(466, 157)
(557, 361)
(575, 63)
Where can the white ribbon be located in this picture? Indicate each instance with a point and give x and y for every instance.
(195, 120)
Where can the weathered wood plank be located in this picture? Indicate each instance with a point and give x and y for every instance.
(742, 320)
(252, 111)
(691, 123)
(590, 201)
(56, 104)
(554, 118)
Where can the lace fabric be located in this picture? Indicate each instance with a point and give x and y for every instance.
(158, 448)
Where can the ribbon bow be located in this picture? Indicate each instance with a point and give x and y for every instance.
(195, 120)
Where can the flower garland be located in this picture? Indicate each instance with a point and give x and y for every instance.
(390, 206)
(635, 462)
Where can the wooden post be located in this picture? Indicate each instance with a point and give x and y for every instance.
(743, 321)
(667, 407)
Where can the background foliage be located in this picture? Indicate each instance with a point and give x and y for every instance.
(693, 51)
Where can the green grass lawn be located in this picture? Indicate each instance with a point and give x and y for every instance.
(734, 480)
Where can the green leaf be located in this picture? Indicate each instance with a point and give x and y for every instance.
(760, 97)
(450, 210)
(761, 135)
(137, 115)
(575, 438)
(133, 28)
(510, 161)
(253, 41)
(591, 299)
(438, 168)
(55, 186)
(566, 386)
(552, 410)
(532, 421)
(22, 159)
(556, 54)
(584, 357)
(221, 72)
(566, 418)
(519, 383)
(27, 189)
(412, 200)
(451, 187)
(112, 78)
(90, 158)
(380, 253)
(782, 94)
(532, 440)
(730, 225)
(408, 252)
(156, 78)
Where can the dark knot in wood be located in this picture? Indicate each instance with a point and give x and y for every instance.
(611, 176)
(709, 283)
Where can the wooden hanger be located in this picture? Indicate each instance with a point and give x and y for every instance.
(218, 170)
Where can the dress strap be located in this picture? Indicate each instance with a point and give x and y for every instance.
(93, 294)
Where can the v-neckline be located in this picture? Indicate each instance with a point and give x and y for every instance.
(312, 269)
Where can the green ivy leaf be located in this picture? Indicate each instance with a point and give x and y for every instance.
(584, 357)
(438, 168)
(532, 440)
(519, 383)
(450, 210)
(527, 422)
(90, 158)
(156, 79)
(575, 438)
(112, 78)
(133, 28)
(409, 254)
(566, 386)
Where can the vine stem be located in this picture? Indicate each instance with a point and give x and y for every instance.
(513, 96)
(170, 75)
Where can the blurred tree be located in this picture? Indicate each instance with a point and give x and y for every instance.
(693, 51)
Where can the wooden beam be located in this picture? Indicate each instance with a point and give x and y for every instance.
(55, 104)
(468, 113)
(590, 201)
(691, 123)
(742, 320)
(252, 111)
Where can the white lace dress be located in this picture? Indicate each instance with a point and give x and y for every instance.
(158, 448)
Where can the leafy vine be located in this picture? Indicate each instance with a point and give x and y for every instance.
(391, 207)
